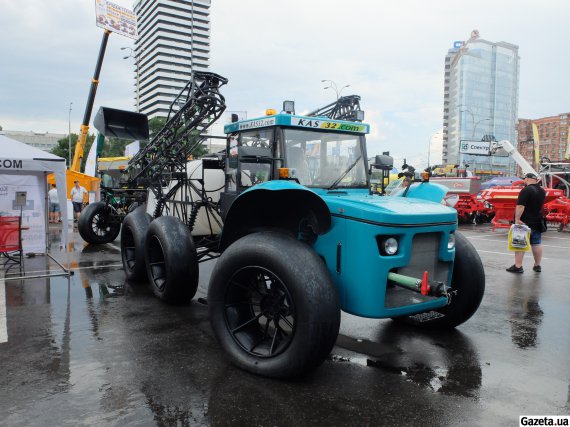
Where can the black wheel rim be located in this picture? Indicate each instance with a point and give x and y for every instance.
(156, 263)
(100, 225)
(128, 249)
(259, 312)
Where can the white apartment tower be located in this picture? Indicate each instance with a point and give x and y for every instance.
(174, 39)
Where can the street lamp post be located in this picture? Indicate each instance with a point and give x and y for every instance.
(69, 134)
(429, 148)
(475, 127)
(473, 123)
(332, 85)
(136, 57)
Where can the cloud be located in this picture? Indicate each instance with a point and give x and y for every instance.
(390, 53)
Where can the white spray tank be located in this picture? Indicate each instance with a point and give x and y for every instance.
(207, 222)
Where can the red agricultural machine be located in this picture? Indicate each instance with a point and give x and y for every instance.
(463, 195)
(557, 175)
(554, 176)
(558, 213)
(504, 199)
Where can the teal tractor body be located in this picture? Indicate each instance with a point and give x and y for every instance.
(304, 237)
(323, 198)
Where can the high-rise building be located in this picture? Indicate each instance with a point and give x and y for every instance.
(553, 138)
(174, 39)
(480, 103)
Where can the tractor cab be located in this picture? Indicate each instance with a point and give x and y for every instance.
(315, 152)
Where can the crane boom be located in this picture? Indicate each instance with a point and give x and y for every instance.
(80, 146)
(517, 157)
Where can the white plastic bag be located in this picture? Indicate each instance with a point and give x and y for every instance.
(519, 238)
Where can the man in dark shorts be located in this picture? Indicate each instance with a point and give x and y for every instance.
(78, 194)
(529, 211)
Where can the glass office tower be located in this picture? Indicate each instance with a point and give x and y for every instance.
(480, 102)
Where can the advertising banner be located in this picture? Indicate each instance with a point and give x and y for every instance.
(90, 163)
(536, 144)
(481, 148)
(33, 212)
(567, 156)
(115, 18)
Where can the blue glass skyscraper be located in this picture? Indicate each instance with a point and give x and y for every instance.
(480, 103)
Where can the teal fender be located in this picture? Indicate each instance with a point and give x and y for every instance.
(279, 204)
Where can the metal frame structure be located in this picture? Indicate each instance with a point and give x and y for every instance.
(162, 163)
(344, 108)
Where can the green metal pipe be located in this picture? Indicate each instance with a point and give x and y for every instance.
(405, 281)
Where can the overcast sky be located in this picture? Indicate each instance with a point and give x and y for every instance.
(391, 53)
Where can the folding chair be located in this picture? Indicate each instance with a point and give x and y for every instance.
(11, 239)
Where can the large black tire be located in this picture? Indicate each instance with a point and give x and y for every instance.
(171, 260)
(133, 234)
(95, 225)
(468, 287)
(273, 305)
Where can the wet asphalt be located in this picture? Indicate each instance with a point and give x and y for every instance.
(95, 350)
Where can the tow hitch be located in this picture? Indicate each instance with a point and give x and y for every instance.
(422, 286)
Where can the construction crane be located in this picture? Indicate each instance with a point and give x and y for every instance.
(74, 171)
(517, 157)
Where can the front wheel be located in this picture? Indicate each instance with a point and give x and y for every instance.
(273, 305)
(467, 289)
(96, 226)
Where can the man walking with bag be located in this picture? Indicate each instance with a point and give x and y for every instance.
(529, 211)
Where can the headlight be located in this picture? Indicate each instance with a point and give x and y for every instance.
(451, 241)
(390, 246)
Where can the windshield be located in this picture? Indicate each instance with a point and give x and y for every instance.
(325, 160)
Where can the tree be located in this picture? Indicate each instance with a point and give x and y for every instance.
(115, 147)
(155, 125)
(62, 150)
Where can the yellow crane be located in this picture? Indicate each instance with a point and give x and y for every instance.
(90, 183)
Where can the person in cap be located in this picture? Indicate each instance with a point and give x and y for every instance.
(529, 211)
(78, 194)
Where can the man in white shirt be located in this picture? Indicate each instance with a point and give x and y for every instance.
(78, 194)
(54, 211)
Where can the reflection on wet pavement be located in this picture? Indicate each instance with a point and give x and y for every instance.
(444, 362)
(526, 314)
(96, 350)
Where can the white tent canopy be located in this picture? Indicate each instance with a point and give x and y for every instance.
(18, 160)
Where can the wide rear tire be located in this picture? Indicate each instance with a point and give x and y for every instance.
(133, 235)
(273, 305)
(95, 225)
(171, 260)
(468, 287)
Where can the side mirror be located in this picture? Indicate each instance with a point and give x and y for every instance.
(385, 163)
